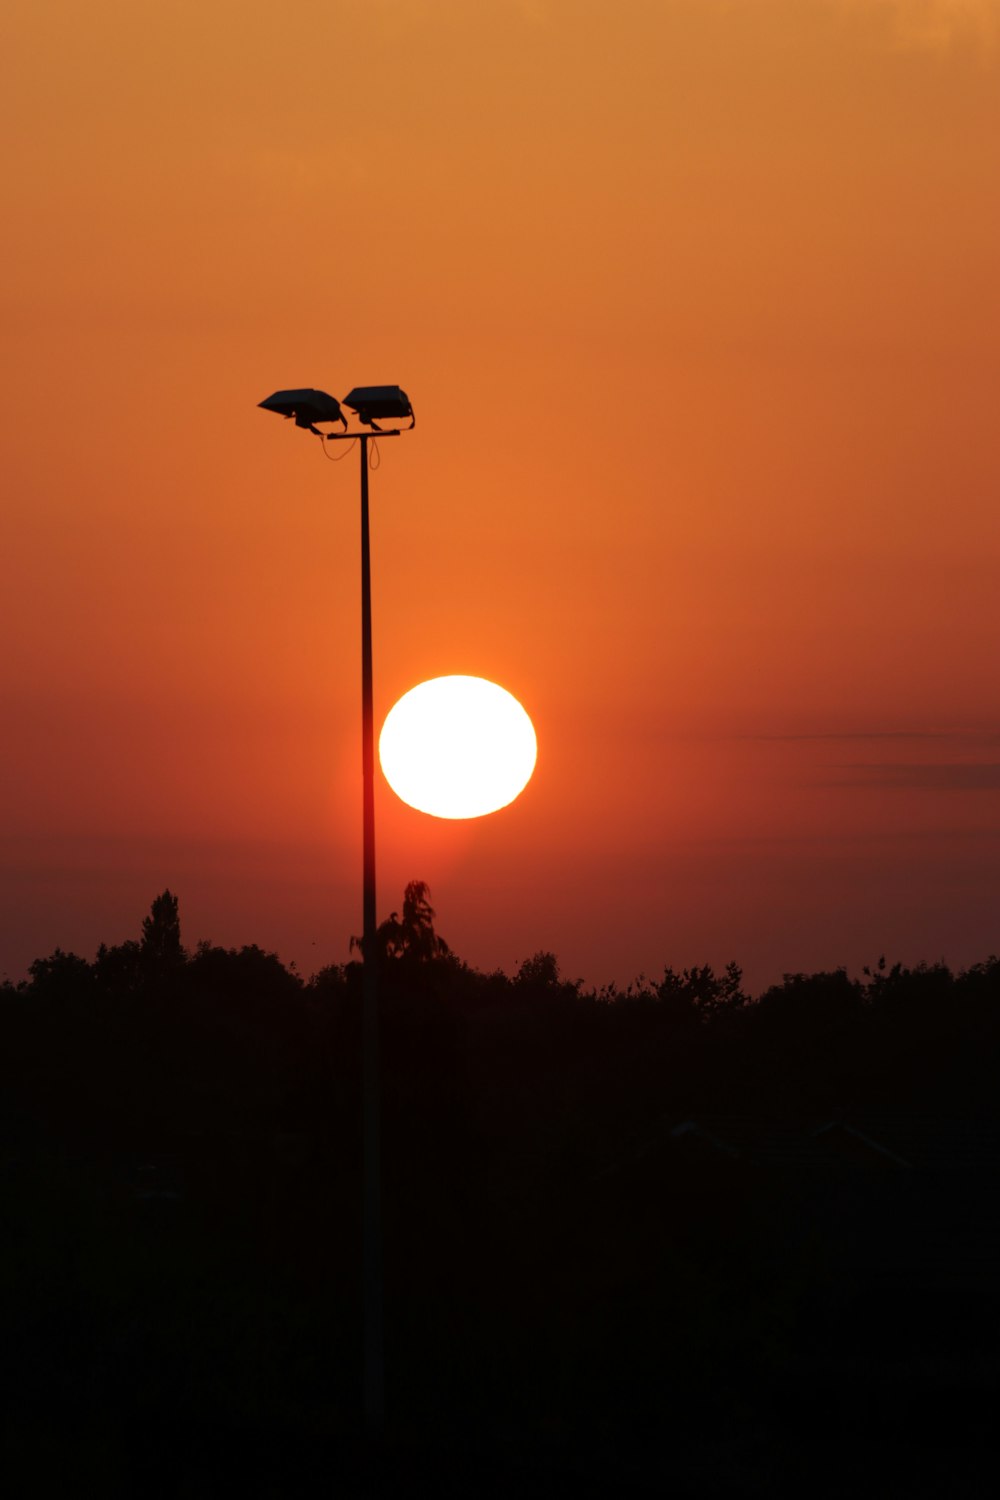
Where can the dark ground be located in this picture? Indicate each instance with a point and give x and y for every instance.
(675, 1241)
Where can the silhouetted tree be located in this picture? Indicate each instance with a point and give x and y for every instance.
(410, 938)
(119, 969)
(702, 991)
(61, 977)
(247, 978)
(160, 949)
(328, 983)
(541, 971)
(815, 1005)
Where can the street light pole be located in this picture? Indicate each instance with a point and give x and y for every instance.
(370, 404)
(374, 1358)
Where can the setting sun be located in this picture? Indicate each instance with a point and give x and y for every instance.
(457, 747)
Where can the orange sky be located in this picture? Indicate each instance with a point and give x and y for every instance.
(699, 309)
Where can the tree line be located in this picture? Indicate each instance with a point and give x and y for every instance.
(573, 1286)
(896, 1034)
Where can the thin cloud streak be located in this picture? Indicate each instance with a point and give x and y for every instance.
(932, 777)
(953, 736)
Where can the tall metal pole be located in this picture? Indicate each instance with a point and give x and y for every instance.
(374, 1358)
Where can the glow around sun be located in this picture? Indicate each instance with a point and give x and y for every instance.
(457, 747)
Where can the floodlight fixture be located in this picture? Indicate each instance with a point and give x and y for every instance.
(307, 407)
(374, 402)
(369, 404)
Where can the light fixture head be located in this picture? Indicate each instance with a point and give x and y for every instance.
(372, 402)
(307, 407)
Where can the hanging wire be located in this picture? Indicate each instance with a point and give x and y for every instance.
(374, 457)
(340, 456)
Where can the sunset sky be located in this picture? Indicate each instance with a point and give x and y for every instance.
(698, 305)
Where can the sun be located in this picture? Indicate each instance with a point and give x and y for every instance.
(457, 747)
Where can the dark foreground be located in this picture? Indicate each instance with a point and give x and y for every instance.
(676, 1241)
